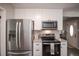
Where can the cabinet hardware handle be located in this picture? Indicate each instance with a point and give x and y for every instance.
(37, 50)
(37, 44)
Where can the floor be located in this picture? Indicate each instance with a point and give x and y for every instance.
(73, 52)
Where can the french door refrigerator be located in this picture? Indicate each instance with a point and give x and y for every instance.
(19, 37)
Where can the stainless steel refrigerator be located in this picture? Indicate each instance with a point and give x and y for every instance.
(19, 37)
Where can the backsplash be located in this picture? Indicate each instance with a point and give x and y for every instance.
(37, 33)
(56, 32)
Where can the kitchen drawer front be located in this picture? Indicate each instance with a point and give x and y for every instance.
(64, 44)
(37, 49)
(37, 45)
(37, 53)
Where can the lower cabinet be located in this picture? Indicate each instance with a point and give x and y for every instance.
(64, 48)
(37, 49)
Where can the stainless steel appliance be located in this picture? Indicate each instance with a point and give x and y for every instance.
(19, 37)
(51, 46)
(49, 25)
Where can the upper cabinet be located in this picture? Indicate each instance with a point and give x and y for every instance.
(37, 25)
(38, 15)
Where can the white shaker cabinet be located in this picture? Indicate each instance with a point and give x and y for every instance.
(63, 48)
(37, 49)
(37, 25)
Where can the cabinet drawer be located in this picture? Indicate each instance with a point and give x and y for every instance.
(37, 45)
(63, 43)
(37, 53)
(38, 49)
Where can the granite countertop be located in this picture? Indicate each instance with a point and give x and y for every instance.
(39, 40)
(62, 40)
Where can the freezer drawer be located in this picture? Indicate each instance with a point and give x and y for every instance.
(27, 53)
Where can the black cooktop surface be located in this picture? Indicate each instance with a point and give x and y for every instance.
(50, 41)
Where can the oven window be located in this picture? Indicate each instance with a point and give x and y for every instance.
(46, 50)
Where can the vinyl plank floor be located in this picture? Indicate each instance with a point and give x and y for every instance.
(73, 52)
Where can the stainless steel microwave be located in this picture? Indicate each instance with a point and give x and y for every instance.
(49, 25)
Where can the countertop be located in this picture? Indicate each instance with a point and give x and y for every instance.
(63, 40)
(39, 40)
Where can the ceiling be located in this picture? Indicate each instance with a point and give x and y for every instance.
(46, 5)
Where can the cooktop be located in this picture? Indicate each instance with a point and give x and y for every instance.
(50, 41)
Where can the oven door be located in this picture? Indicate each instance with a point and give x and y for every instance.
(46, 49)
(57, 49)
(51, 49)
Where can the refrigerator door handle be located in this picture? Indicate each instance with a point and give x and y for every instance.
(16, 34)
(19, 34)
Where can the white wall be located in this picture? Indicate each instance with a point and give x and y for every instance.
(9, 10)
(43, 14)
(0, 33)
(3, 33)
(71, 13)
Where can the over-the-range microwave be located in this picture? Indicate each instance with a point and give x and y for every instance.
(49, 25)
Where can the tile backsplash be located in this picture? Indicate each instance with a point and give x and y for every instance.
(56, 32)
(37, 33)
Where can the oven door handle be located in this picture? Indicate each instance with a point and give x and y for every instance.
(50, 43)
(46, 43)
(57, 43)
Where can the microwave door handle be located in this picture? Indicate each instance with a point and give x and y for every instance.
(16, 34)
(19, 34)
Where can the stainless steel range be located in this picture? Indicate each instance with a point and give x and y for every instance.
(51, 46)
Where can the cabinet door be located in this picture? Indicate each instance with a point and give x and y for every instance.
(64, 48)
(37, 25)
